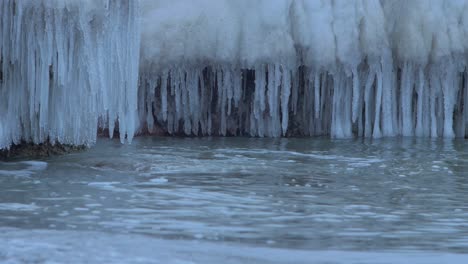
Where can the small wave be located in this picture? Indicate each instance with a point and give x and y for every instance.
(17, 207)
(23, 168)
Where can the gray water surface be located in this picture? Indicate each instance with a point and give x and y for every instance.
(307, 200)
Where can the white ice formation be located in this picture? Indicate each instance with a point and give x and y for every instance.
(341, 68)
(67, 66)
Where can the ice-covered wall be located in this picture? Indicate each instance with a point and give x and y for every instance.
(64, 65)
(325, 67)
(232, 67)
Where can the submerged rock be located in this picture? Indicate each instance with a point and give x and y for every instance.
(30, 150)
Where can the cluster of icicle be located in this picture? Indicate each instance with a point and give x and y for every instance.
(271, 100)
(66, 67)
(266, 68)
(296, 67)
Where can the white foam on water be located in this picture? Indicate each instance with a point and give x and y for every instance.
(64, 246)
(108, 186)
(160, 180)
(16, 169)
(35, 165)
(18, 207)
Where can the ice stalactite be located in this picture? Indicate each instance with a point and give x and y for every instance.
(272, 101)
(293, 67)
(64, 66)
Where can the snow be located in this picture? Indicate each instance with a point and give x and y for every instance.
(220, 67)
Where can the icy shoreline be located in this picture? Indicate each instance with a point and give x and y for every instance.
(265, 68)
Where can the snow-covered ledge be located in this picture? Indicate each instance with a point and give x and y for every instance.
(339, 68)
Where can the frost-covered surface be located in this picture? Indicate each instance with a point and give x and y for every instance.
(220, 67)
(64, 66)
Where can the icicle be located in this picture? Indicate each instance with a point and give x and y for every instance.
(237, 86)
(163, 88)
(420, 107)
(450, 89)
(317, 94)
(185, 100)
(222, 94)
(378, 103)
(434, 90)
(229, 90)
(342, 112)
(388, 96)
(295, 90)
(260, 82)
(272, 79)
(149, 105)
(465, 104)
(406, 100)
(177, 94)
(368, 103)
(275, 121)
(285, 93)
(356, 94)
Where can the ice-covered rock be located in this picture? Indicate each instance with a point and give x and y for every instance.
(271, 68)
(340, 68)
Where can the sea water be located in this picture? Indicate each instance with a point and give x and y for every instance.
(239, 200)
